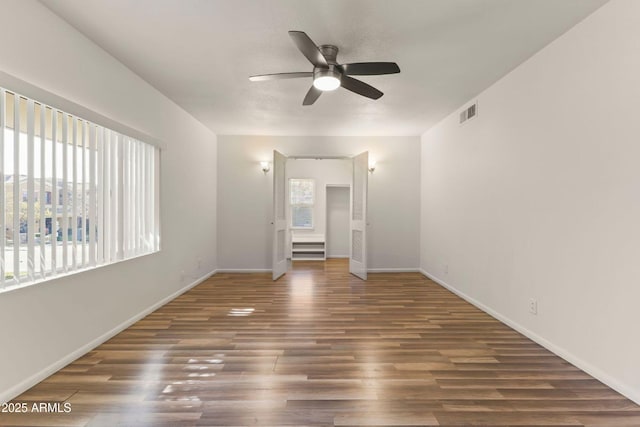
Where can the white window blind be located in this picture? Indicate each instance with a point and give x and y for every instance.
(301, 201)
(91, 193)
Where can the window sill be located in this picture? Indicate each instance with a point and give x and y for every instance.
(11, 288)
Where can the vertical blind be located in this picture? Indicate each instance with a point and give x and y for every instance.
(74, 195)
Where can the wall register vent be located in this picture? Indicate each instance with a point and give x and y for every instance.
(469, 113)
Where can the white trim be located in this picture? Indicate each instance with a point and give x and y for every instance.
(393, 270)
(370, 270)
(23, 386)
(595, 372)
(337, 256)
(244, 270)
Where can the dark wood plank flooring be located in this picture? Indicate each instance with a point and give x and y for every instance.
(320, 348)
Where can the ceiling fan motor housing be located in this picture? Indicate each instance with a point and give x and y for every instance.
(330, 52)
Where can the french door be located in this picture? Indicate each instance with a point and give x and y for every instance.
(358, 229)
(279, 265)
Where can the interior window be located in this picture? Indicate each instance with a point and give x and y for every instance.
(301, 193)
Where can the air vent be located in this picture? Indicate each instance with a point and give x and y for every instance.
(469, 113)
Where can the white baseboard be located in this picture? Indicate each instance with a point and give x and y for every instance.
(25, 385)
(338, 256)
(393, 270)
(268, 270)
(595, 372)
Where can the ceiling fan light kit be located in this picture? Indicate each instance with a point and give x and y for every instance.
(326, 79)
(327, 74)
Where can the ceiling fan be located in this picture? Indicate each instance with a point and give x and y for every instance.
(327, 74)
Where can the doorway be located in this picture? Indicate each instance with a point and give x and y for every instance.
(311, 195)
(338, 203)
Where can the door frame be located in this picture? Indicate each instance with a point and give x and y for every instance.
(273, 196)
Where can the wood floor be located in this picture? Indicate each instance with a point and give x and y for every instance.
(320, 347)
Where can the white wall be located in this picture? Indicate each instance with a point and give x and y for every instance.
(45, 323)
(338, 211)
(323, 172)
(245, 196)
(539, 197)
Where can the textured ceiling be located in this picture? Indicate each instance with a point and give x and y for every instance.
(200, 53)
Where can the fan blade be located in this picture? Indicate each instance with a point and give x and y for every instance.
(308, 48)
(360, 87)
(279, 76)
(370, 68)
(312, 96)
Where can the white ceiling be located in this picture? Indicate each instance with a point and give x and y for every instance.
(200, 53)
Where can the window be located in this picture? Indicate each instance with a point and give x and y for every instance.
(301, 201)
(104, 184)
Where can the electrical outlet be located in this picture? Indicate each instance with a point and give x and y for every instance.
(533, 306)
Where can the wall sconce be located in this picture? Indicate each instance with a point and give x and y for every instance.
(372, 166)
(265, 167)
